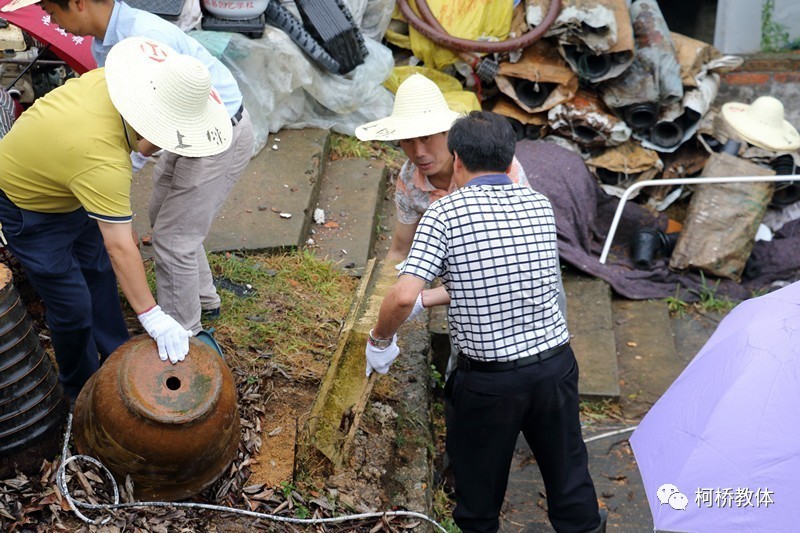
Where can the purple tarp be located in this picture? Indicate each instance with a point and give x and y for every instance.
(583, 215)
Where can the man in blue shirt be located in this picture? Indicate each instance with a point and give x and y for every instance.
(187, 191)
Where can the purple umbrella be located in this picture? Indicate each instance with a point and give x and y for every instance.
(720, 451)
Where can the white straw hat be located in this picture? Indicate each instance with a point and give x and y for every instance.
(13, 5)
(762, 124)
(167, 98)
(419, 110)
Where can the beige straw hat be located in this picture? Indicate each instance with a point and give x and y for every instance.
(419, 110)
(13, 5)
(762, 124)
(167, 98)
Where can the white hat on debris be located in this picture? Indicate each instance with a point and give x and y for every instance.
(419, 110)
(167, 97)
(762, 124)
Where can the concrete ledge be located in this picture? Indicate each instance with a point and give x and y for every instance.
(592, 337)
(285, 180)
(350, 197)
(648, 360)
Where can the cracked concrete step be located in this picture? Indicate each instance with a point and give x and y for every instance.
(350, 197)
(283, 180)
(648, 359)
(592, 338)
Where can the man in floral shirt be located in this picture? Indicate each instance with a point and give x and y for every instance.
(420, 122)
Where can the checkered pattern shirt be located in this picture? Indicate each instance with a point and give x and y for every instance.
(493, 243)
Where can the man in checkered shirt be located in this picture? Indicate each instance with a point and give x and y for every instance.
(493, 244)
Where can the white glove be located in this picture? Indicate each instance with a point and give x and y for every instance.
(171, 337)
(380, 360)
(418, 308)
(138, 160)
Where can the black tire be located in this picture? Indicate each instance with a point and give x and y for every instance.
(280, 17)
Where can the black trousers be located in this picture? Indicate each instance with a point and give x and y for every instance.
(485, 412)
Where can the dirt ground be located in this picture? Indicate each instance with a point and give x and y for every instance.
(275, 472)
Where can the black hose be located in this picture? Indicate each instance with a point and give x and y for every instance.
(666, 134)
(532, 94)
(642, 116)
(592, 65)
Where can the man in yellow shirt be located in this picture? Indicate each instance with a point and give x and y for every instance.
(65, 179)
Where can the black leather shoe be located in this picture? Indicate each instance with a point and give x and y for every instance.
(603, 520)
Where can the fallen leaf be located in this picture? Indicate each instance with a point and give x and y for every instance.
(331, 224)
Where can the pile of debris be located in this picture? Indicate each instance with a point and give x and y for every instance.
(613, 83)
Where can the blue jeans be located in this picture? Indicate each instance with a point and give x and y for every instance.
(65, 259)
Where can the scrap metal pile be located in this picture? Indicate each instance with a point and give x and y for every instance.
(607, 80)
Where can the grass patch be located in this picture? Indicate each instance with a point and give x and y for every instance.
(677, 306)
(600, 410)
(347, 147)
(709, 302)
(293, 315)
(443, 507)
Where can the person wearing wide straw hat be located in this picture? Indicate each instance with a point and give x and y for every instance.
(65, 180)
(188, 191)
(420, 122)
(762, 124)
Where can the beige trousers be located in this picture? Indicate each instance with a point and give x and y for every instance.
(188, 192)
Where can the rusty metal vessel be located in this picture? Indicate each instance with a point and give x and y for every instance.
(33, 407)
(173, 428)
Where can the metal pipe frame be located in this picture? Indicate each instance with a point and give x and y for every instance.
(15, 61)
(678, 181)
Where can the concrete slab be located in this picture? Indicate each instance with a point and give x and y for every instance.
(692, 331)
(616, 479)
(648, 361)
(285, 180)
(350, 197)
(592, 337)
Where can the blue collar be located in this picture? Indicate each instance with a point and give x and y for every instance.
(490, 179)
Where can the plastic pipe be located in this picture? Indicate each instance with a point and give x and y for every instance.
(641, 116)
(676, 181)
(609, 177)
(431, 29)
(593, 66)
(533, 132)
(586, 134)
(666, 134)
(532, 94)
